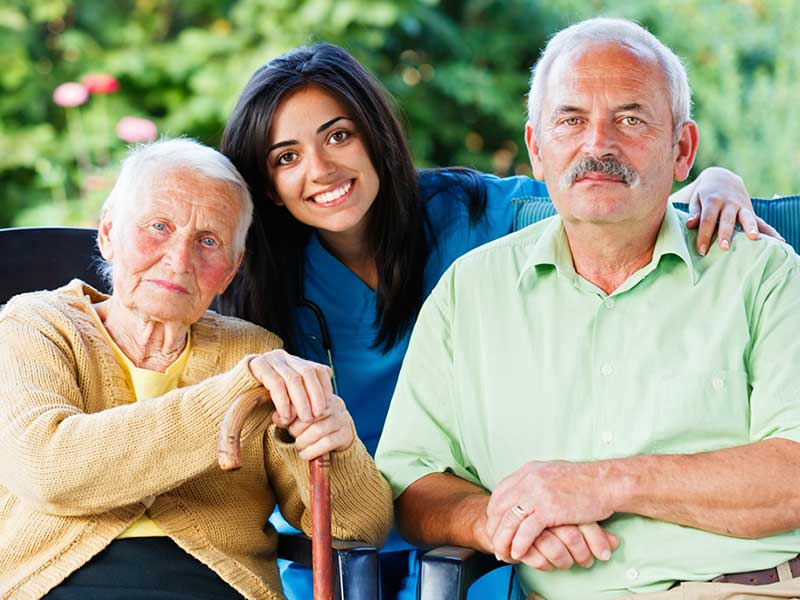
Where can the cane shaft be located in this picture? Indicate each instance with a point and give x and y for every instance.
(321, 545)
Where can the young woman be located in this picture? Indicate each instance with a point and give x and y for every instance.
(349, 238)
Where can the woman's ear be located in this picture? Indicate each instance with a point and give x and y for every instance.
(104, 235)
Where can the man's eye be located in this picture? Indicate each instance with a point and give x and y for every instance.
(286, 158)
(208, 241)
(632, 121)
(572, 121)
(337, 137)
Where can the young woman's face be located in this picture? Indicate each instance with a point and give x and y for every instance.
(319, 165)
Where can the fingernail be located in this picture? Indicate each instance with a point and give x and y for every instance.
(754, 232)
(605, 555)
(703, 250)
(725, 244)
(589, 564)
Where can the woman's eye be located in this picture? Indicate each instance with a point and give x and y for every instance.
(337, 137)
(208, 241)
(159, 226)
(286, 158)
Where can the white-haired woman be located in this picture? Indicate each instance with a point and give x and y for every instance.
(111, 406)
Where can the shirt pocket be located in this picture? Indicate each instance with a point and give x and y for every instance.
(701, 411)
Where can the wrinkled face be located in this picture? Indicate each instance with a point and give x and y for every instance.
(605, 143)
(319, 164)
(172, 250)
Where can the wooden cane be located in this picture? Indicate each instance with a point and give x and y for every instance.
(230, 459)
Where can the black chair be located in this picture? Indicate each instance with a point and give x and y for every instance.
(41, 258)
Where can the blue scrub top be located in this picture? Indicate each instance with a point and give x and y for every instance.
(366, 376)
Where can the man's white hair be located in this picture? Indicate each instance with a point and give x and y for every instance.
(620, 31)
(147, 164)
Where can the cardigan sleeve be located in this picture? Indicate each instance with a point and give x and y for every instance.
(361, 501)
(66, 461)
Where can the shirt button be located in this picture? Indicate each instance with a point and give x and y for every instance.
(607, 437)
(632, 573)
(607, 369)
(610, 303)
(718, 383)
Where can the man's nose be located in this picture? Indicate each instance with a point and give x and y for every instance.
(601, 139)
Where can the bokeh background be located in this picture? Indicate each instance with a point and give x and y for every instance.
(458, 69)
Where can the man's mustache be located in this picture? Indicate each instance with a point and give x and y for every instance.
(608, 166)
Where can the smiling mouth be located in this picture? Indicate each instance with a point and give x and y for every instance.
(334, 196)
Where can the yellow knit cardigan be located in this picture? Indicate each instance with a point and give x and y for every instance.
(80, 460)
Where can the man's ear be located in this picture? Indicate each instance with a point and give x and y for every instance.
(532, 144)
(104, 235)
(685, 150)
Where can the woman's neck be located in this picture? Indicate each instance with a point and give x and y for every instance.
(149, 344)
(353, 250)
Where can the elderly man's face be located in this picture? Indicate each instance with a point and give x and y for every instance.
(605, 144)
(172, 249)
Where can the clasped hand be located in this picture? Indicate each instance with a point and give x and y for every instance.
(304, 402)
(546, 516)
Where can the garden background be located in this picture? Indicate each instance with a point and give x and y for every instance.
(458, 68)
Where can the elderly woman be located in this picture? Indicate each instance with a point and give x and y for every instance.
(110, 408)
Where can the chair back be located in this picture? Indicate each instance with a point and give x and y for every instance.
(44, 258)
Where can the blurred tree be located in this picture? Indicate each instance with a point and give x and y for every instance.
(459, 69)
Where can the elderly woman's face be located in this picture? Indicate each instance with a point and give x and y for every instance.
(172, 249)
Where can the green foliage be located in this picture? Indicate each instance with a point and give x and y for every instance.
(458, 68)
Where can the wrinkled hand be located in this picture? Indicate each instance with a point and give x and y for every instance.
(563, 546)
(720, 196)
(331, 432)
(299, 388)
(546, 495)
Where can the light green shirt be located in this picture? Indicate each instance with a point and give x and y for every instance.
(515, 357)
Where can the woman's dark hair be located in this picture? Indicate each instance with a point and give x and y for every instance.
(269, 284)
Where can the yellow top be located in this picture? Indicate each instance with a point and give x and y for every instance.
(146, 384)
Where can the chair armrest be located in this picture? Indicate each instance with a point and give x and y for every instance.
(355, 564)
(448, 571)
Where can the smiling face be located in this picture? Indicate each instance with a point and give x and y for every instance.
(173, 249)
(319, 165)
(605, 141)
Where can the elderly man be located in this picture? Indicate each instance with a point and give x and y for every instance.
(111, 406)
(547, 367)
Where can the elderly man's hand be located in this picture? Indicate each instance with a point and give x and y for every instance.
(563, 546)
(331, 432)
(545, 495)
(298, 388)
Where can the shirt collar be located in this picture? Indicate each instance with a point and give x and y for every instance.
(552, 248)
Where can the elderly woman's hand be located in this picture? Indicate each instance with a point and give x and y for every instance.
(299, 388)
(329, 433)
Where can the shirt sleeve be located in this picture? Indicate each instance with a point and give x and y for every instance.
(421, 434)
(774, 354)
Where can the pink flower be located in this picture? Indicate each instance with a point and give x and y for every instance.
(134, 129)
(70, 94)
(100, 83)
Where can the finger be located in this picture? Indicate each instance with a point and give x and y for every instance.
(506, 532)
(324, 445)
(694, 211)
(537, 560)
(598, 540)
(309, 372)
(708, 223)
(727, 221)
(262, 370)
(768, 229)
(503, 497)
(572, 537)
(554, 550)
(747, 219)
(522, 538)
(612, 540)
(295, 387)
